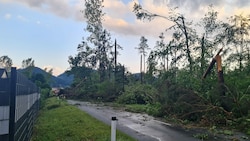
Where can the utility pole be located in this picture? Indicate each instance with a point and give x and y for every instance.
(115, 66)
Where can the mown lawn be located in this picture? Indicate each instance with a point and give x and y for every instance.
(59, 121)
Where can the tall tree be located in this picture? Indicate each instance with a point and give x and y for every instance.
(240, 26)
(99, 37)
(175, 46)
(180, 24)
(152, 64)
(142, 48)
(207, 44)
(113, 57)
(6, 62)
(28, 63)
(235, 34)
(49, 74)
(163, 51)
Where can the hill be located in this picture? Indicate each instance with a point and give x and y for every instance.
(63, 80)
(67, 79)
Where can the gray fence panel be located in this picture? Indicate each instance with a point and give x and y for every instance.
(19, 105)
(4, 107)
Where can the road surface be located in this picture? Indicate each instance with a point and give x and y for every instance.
(139, 126)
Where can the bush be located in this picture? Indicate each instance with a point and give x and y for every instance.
(243, 124)
(138, 94)
(44, 95)
(155, 109)
(105, 91)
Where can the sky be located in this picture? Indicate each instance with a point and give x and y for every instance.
(49, 31)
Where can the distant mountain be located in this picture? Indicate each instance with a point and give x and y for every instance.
(63, 80)
(68, 79)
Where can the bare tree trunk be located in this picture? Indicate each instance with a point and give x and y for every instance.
(202, 60)
(167, 57)
(248, 56)
(141, 69)
(241, 51)
(144, 63)
(164, 63)
(187, 45)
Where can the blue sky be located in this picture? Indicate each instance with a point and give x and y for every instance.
(50, 30)
(47, 38)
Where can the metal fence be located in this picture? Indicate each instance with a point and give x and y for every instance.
(19, 105)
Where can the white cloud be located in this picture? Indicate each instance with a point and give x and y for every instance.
(194, 5)
(120, 19)
(22, 18)
(61, 8)
(7, 16)
(116, 8)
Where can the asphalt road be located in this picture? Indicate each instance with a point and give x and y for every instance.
(139, 126)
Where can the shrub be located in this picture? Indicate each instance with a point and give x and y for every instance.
(154, 109)
(105, 91)
(138, 94)
(44, 95)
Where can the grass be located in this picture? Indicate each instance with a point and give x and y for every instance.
(59, 121)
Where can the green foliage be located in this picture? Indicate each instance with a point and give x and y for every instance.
(186, 104)
(139, 94)
(154, 109)
(106, 91)
(44, 94)
(227, 132)
(87, 85)
(201, 136)
(243, 124)
(238, 91)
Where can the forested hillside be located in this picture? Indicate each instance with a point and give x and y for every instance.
(62, 80)
(201, 74)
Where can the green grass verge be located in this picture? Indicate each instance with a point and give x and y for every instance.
(59, 121)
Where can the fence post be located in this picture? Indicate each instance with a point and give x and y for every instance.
(13, 80)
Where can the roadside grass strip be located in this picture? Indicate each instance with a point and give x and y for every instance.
(59, 121)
